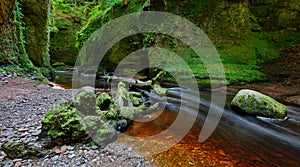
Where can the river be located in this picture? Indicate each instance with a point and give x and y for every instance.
(237, 140)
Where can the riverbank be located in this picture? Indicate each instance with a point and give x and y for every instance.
(23, 104)
(283, 74)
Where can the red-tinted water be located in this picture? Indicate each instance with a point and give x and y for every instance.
(221, 149)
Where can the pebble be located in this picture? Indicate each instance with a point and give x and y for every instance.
(55, 158)
(94, 147)
(23, 130)
(57, 151)
(18, 164)
(17, 160)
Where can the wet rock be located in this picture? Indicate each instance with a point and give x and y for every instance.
(122, 125)
(254, 103)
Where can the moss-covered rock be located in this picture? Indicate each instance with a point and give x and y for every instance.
(254, 103)
(85, 102)
(100, 131)
(104, 101)
(15, 150)
(78, 121)
(88, 117)
(62, 124)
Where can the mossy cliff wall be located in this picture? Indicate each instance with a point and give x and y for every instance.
(6, 8)
(36, 13)
(277, 14)
(12, 43)
(67, 18)
(24, 34)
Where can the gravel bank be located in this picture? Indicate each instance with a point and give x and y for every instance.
(23, 104)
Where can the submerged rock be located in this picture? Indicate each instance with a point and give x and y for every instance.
(254, 103)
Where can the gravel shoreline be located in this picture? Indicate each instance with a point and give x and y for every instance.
(23, 105)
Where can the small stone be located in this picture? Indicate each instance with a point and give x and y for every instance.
(71, 156)
(55, 158)
(8, 163)
(70, 148)
(1, 158)
(17, 160)
(57, 151)
(221, 152)
(64, 148)
(18, 164)
(23, 130)
(94, 147)
(111, 158)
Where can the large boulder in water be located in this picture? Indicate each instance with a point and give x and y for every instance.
(254, 103)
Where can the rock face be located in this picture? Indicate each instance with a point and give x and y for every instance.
(254, 103)
(36, 15)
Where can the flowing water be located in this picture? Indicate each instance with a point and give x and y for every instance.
(237, 141)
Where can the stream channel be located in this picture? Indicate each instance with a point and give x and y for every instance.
(237, 141)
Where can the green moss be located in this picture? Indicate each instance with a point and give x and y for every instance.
(12, 42)
(104, 101)
(67, 17)
(62, 124)
(85, 102)
(159, 90)
(36, 15)
(15, 150)
(66, 124)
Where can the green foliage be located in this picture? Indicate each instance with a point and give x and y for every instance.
(67, 17)
(12, 42)
(233, 26)
(104, 12)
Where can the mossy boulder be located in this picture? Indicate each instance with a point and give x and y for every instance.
(85, 102)
(254, 103)
(62, 124)
(15, 150)
(78, 121)
(100, 131)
